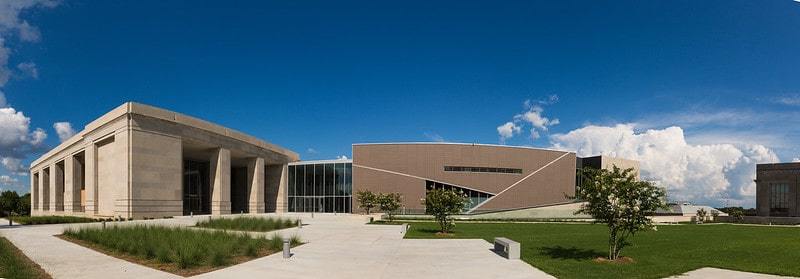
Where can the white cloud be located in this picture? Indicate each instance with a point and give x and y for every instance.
(533, 116)
(796, 159)
(13, 165)
(28, 69)
(790, 100)
(341, 157)
(64, 130)
(704, 173)
(508, 130)
(2, 100)
(434, 137)
(11, 24)
(6, 180)
(312, 151)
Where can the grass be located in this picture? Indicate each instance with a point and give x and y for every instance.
(182, 251)
(255, 224)
(39, 220)
(14, 264)
(568, 250)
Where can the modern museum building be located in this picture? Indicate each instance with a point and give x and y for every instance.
(139, 161)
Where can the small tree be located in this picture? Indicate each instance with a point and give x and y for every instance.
(389, 204)
(442, 203)
(737, 214)
(701, 215)
(616, 198)
(366, 200)
(9, 202)
(714, 215)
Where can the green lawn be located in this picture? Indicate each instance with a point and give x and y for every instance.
(14, 264)
(567, 250)
(255, 224)
(38, 220)
(182, 251)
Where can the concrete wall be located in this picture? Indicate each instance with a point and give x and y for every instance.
(781, 173)
(156, 168)
(547, 175)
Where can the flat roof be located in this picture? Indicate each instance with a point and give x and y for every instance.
(462, 143)
(331, 161)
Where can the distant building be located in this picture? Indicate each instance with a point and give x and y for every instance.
(776, 189)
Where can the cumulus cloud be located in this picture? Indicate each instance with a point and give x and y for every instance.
(17, 140)
(702, 173)
(12, 25)
(64, 130)
(508, 130)
(795, 159)
(341, 157)
(533, 116)
(312, 151)
(13, 165)
(790, 100)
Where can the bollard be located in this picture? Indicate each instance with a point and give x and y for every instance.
(404, 229)
(209, 218)
(191, 214)
(286, 248)
(371, 219)
(104, 225)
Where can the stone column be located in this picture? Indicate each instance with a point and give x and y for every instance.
(255, 180)
(221, 182)
(90, 163)
(34, 191)
(56, 188)
(283, 198)
(44, 189)
(69, 184)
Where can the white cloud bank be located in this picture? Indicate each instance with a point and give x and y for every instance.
(533, 116)
(707, 173)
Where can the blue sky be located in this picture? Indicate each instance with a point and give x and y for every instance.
(316, 76)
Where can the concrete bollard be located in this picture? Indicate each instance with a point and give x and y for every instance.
(104, 225)
(287, 244)
(191, 214)
(404, 229)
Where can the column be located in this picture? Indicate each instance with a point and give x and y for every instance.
(90, 163)
(56, 188)
(221, 182)
(34, 192)
(282, 200)
(69, 184)
(255, 180)
(44, 189)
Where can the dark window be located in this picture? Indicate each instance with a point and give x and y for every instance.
(322, 187)
(482, 169)
(779, 199)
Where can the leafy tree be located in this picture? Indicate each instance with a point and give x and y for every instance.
(389, 204)
(9, 202)
(442, 203)
(616, 198)
(367, 200)
(701, 215)
(714, 215)
(24, 206)
(737, 214)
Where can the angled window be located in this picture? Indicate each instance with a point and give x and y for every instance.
(475, 197)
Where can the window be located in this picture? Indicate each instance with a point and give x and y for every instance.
(323, 187)
(779, 199)
(475, 197)
(482, 169)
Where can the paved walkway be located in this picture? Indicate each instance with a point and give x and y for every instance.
(337, 247)
(710, 272)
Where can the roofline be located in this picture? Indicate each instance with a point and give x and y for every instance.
(129, 108)
(330, 161)
(462, 143)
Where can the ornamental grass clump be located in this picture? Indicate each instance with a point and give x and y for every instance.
(245, 223)
(182, 248)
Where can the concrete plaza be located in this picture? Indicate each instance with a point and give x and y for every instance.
(337, 246)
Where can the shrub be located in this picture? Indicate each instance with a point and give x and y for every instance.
(366, 200)
(389, 204)
(442, 203)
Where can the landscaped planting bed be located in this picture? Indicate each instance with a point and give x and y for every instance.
(182, 251)
(14, 264)
(246, 223)
(569, 250)
(39, 220)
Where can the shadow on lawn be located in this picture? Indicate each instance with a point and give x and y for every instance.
(572, 253)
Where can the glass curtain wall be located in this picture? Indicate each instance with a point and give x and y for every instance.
(323, 187)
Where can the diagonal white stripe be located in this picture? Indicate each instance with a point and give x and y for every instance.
(518, 182)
